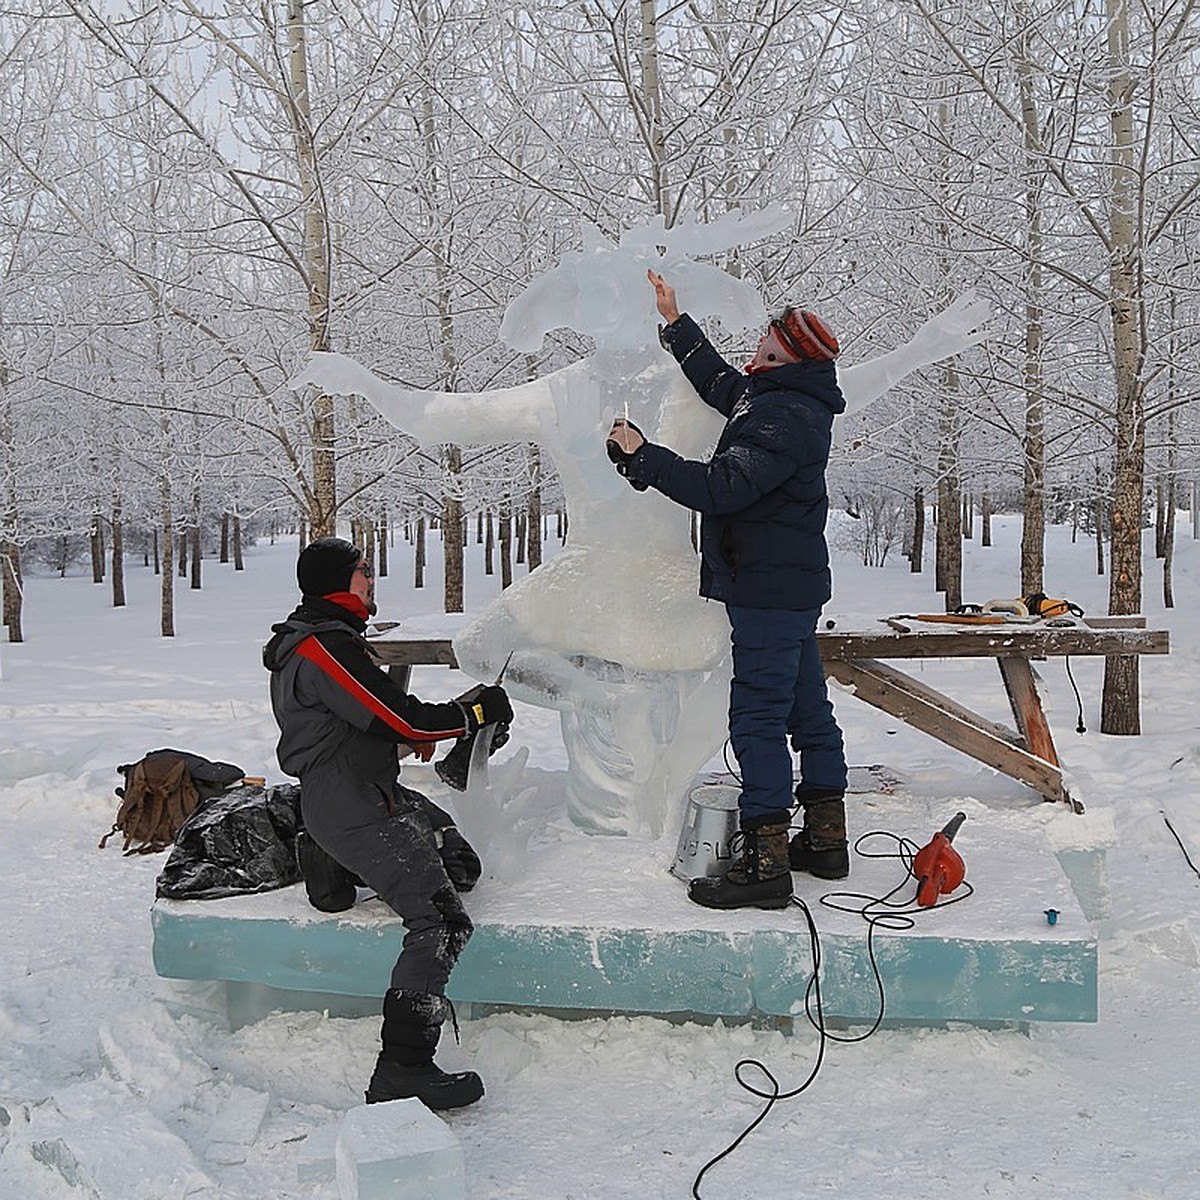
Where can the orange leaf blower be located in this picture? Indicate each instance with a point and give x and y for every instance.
(938, 867)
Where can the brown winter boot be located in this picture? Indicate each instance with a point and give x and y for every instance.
(820, 846)
(759, 876)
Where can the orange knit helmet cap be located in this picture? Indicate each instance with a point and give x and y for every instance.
(805, 334)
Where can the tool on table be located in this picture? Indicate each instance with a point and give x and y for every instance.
(938, 867)
(1013, 611)
(971, 618)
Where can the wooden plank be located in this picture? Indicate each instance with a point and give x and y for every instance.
(899, 682)
(921, 707)
(991, 642)
(1027, 707)
(415, 652)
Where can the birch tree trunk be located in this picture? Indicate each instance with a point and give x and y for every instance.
(1033, 524)
(453, 536)
(1169, 501)
(118, 553)
(1160, 515)
(166, 606)
(238, 562)
(1120, 704)
(11, 590)
(948, 550)
(369, 543)
(534, 508)
(656, 142)
(96, 546)
(452, 532)
(195, 532)
(917, 555)
(316, 255)
(505, 543)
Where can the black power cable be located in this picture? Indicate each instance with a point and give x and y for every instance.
(879, 912)
(1080, 727)
(1179, 842)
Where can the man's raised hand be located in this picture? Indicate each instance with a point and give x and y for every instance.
(664, 298)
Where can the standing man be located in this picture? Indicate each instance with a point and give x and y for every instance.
(341, 720)
(763, 505)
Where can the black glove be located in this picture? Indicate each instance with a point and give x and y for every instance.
(437, 816)
(621, 458)
(489, 707)
(460, 860)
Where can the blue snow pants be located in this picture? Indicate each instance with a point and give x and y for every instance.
(778, 691)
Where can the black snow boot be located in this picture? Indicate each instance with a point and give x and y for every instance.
(820, 847)
(759, 876)
(412, 1024)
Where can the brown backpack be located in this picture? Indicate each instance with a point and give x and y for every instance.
(161, 791)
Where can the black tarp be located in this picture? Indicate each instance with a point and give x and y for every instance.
(239, 842)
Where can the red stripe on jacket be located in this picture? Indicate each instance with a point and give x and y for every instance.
(319, 656)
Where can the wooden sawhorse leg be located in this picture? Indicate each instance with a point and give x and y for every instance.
(1028, 757)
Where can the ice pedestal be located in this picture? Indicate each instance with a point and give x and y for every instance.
(599, 925)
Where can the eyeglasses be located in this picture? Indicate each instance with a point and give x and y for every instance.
(365, 570)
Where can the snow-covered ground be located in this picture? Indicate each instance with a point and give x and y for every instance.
(109, 1072)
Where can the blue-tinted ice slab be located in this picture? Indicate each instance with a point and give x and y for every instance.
(316, 1160)
(398, 1151)
(599, 925)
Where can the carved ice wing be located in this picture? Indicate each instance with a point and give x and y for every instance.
(480, 418)
(953, 330)
(693, 239)
(551, 301)
(704, 291)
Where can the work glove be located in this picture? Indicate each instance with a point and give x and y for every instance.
(618, 455)
(460, 860)
(488, 706)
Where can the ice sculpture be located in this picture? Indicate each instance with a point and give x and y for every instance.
(611, 631)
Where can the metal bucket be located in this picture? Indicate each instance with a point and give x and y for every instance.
(709, 824)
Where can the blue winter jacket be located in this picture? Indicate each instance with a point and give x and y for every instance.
(761, 496)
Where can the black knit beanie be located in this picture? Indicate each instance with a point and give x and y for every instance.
(326, 565)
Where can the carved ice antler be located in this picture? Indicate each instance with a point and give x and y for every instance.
(601, 290)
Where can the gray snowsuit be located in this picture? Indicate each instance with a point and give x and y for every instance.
(341, 721)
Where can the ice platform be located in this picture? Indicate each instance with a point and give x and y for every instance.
(599, 925)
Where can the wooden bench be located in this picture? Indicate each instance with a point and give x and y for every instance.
(427, 642)
(1027, 754)
(854, 658)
